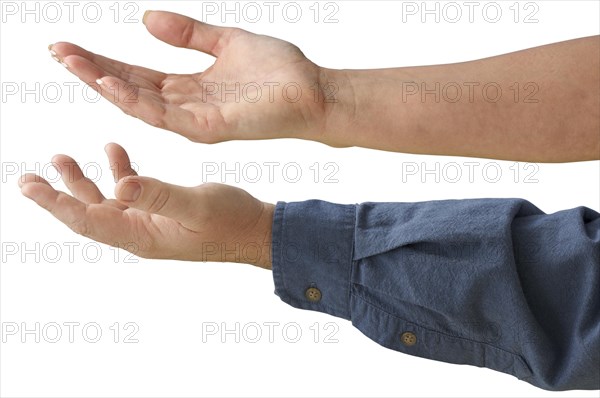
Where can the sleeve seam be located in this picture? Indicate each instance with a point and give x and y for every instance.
(352, 262)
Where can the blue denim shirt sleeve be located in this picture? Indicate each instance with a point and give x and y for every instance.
(493, 283)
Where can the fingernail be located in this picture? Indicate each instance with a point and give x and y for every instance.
(130, 191)
(146, 13)
(99, 81)
(60, 61)
(52, 52)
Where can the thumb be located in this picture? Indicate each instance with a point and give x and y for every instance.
(181, 31)
(154, 196)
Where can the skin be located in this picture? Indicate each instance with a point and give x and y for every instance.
(210, 222)
(551, 115)
(369, 108)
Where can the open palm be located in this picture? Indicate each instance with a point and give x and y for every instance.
(210, 222)
(259, 87)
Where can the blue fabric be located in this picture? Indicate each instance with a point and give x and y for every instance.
(493, 283)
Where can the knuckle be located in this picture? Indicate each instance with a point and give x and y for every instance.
(159, 200)
(187, 34)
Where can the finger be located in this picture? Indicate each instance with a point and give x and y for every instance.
(132, 73)
(181, 31)
(131, 99)
(157, 197)
(114, 89)
(30, 177)
(80, 186)
(152, 108)
(120, 165)
(125, 95)
(105, 224)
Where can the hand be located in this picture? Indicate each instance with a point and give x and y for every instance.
(195, 105)
(152, 219)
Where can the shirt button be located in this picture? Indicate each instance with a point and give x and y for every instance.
(313, 294)
(408, 339)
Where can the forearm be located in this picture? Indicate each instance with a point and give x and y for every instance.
(537, 105)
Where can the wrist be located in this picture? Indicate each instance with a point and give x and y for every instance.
(261, 237)
(369, 111)
(339, 103)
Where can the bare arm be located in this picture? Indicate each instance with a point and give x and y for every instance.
(540, 105)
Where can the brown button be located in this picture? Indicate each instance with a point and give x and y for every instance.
(408, 339)
(313, 294)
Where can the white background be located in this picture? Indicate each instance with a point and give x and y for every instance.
(171, 301)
